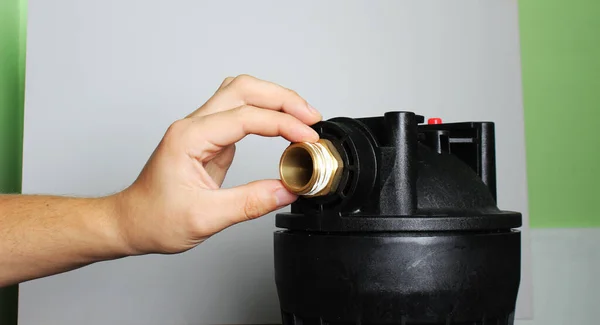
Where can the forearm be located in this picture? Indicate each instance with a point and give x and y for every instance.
(45, 235)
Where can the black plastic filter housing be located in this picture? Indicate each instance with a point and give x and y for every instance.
(412, 235)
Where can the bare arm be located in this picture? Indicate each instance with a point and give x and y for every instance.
(176, 202)
(42, 235)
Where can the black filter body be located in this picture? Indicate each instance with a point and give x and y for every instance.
(413, 234)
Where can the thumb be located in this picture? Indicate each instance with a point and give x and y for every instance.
(250, 201)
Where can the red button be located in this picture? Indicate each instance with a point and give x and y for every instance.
(434, 120)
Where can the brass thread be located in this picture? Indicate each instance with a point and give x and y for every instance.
(310, 169)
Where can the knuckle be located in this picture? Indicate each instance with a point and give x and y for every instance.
(253, 207)
(293, 92)
(226, 81)
(176, 128)
(243, 80)
(198, 224)
(199, 227)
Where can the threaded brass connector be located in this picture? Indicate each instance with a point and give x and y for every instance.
(311, 169)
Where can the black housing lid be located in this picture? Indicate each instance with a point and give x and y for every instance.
(402, 175)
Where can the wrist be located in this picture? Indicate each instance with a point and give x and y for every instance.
(115, 212)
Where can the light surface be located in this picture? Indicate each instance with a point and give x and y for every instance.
(566, 264)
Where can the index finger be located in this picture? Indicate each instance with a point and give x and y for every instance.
(215, 131)
(248, 90)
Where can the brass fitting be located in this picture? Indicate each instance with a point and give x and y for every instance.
(311, 169)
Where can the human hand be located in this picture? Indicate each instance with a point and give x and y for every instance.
(176, 202)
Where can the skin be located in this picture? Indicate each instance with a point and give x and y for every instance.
(175, 203)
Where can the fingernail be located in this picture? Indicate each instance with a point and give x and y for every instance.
(313, 110)
(283, 197)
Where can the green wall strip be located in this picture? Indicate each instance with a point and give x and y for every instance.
(560, 46)
(13, 29)
(12, 65)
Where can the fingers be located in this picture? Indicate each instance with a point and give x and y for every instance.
(247, 90)
(210, 133)
(217, 167)
(249, 201)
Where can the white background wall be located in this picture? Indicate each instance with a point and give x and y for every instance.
(565, 266)
(106, 78)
